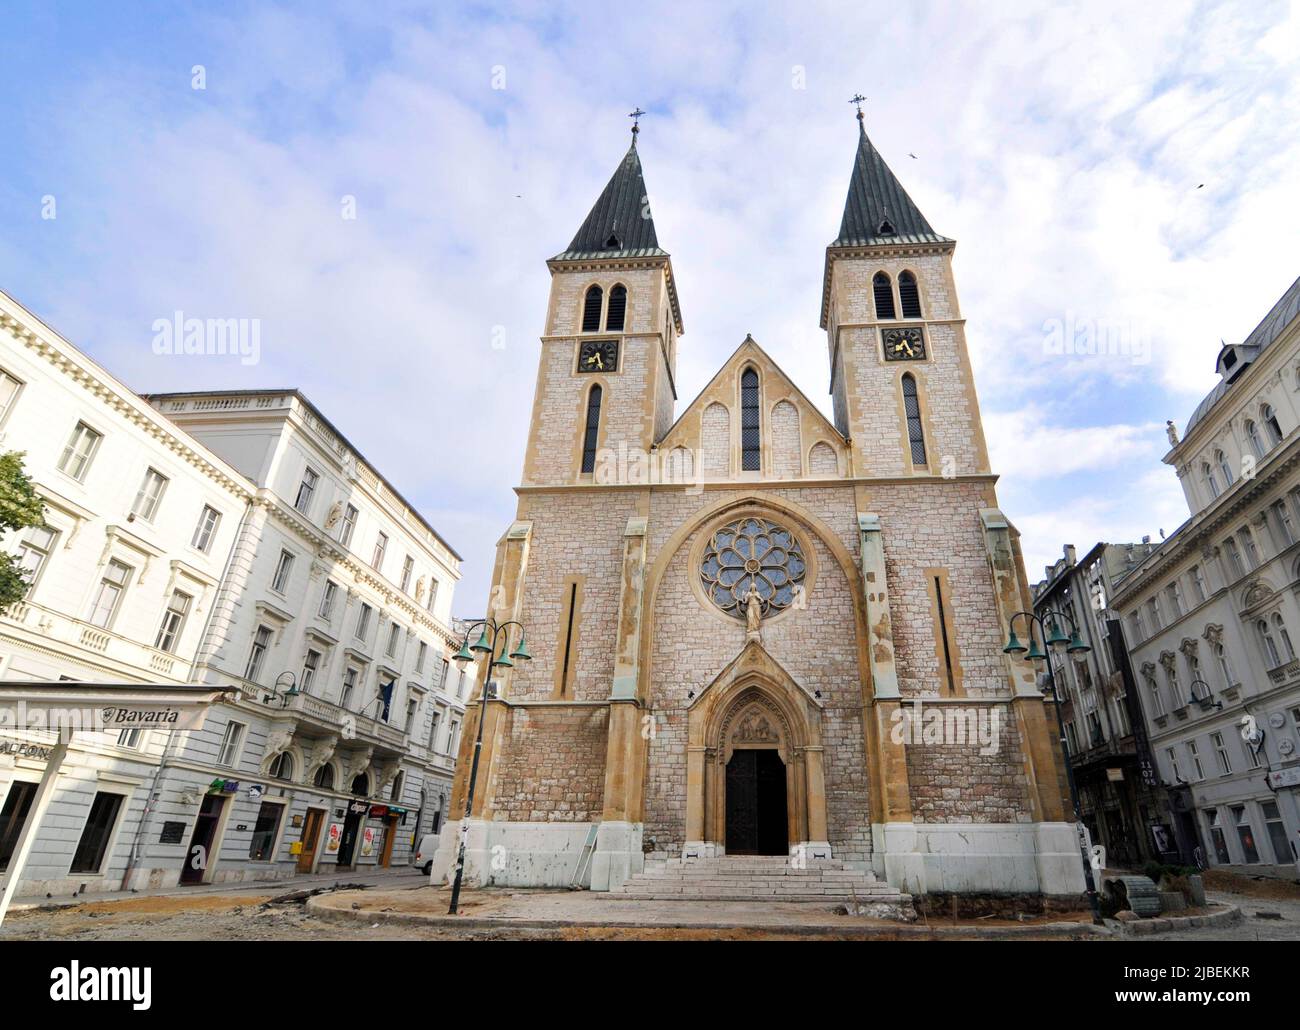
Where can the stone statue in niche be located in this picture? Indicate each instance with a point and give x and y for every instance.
(335, 513)
(753, 613)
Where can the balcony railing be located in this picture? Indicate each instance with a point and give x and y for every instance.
(76, 634)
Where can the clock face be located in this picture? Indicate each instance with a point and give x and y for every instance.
(598, 356)
(904, 345)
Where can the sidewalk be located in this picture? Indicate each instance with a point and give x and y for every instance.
(395, 877)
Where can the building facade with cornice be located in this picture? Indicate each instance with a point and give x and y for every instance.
(233, 540)
(735, 607)
(1212, 615)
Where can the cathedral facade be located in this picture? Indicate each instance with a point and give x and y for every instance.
(759, 631)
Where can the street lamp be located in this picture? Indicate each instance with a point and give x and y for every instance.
(1049, 630)
(1207, 702)
(486, 644)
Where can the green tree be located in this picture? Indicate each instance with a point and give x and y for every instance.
(20, 507)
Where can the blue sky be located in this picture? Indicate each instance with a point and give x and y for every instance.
(1103, 165)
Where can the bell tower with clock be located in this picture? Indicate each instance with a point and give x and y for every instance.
(895, 335)
(605, 383)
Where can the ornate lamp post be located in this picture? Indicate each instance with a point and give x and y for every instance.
(486, 644)
(1049, 630)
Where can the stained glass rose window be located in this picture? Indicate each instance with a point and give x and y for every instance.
(752, 552)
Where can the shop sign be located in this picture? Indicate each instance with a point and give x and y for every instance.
(21, 749)
(334, 838)
(378, 811)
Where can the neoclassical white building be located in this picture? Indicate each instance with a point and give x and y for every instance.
(1212, 615)
(233, 539)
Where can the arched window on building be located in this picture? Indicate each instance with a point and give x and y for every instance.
(282, 766)
(1279, 627)
(884, 294)
(1225, 666)
(912, 409)
(909, 298)
(1225, 468)
(591, 309)
(1272, 656)
(325, 777)
(399, 783)
(1271, 424)
(751, 459)
(617, 309)
(1211, 482)
(590, 430)
(1256, 441)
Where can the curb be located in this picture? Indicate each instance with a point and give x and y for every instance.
(1167, 924)
(321, 908)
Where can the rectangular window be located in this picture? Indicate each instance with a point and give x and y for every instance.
(1157, 704)
(1216, 837)
(1249, 549)
(433, 593)
(93, 846)
(348, 524)
(408, 566)
(283, 567)
(363, 622)
(149, 496)
(1172, 755)
(420, 656)
(565, 668)
(394, 637)
(310, 666)
(229, 752)
(1195, 754)
(1282, 851)
(1175, 599)
(129, 738)
(1221, 753)
(411, 707)
(328, 598)
(1198, 583)
(34, 552)
(109, 595)
(444, 669)
(349, 685)
(206, 530)
(453, 737)
(257, 656)
(1153, 611)
(262, 846)
(306, 490)
(377, 559)
(9, 389)
(173, 622)
(79, 452)
(1234, 558)
(1245, 834)
(435, 719)
(1285, 525)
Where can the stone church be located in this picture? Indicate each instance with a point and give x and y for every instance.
(735, 607)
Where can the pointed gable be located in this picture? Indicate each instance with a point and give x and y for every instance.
(619, 224)
(797, 440)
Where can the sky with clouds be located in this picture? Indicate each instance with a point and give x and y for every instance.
(1129, 173)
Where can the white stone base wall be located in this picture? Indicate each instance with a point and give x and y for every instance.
(977, 858)
(516, 854)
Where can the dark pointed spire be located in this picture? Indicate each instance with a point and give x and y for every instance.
(878, 209)
(619, 224)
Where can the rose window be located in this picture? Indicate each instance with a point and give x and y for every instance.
(752, 553)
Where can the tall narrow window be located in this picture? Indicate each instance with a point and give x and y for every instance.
(617, 309)
(884, 293)
(79, 451)
(381, 547)
(591, 310)
(9, 389)
(209, 519)
(93, 846)
(589, 431)
(306, 490)
(173, 622)
(149, 496)
(109, 595)
(1271, 423)
(750, 449)
(347, 525)
(568, 639)
(908, 295)
(912, 409)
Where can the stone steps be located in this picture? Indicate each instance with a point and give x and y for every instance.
(763, 878)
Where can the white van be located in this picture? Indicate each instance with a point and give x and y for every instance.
(425, 852)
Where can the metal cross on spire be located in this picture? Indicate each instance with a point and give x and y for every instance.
(859, 100)
(636, 119)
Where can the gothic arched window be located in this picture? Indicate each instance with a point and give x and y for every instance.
(589, 430)
(908, 295)
(912, 408)
(750, 452)
(591, 309)
(884, 294)
(617, 308)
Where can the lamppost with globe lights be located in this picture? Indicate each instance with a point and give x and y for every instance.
(1049, 631)
(487, 644)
